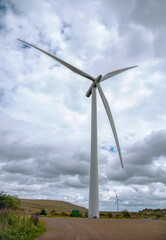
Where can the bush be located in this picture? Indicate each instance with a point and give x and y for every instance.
(157, 210)
(64, 214)
(8, 201)
(158, 214)
(109, 215)
(117, 215)
(35, 219)
(54, 213)
(102, 214)
(43, 212)
(86, 215)
(125, 214)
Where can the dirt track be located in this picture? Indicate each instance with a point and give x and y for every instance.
(102, 229)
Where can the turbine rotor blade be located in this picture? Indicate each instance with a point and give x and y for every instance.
(111, 74)
(115, 203)
(72, 68)
(116, 194)
(108, 111)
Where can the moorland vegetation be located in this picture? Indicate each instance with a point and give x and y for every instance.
(17, 224)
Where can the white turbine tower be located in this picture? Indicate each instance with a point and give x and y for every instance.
(117, 202)
(93, 188)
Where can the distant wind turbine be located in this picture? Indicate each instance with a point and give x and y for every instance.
(117, 202)
(93, 188)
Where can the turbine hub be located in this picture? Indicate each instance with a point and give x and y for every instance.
(97, 80)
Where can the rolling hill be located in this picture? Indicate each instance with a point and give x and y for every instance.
(59, 206)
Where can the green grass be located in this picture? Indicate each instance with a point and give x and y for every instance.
(19, 225)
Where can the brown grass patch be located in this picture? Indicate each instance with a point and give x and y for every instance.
(59, 206)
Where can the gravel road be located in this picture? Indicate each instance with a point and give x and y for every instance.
(103, 229)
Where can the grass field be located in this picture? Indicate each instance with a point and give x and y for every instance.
(35, 205)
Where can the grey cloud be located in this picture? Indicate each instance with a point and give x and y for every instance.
(75, 182)
(141, 25)
(150, 13)
(20, 154)
(150, 148)
(20, 150)
(143, 163)
(23, 167)
(62, 166)
(159, 44)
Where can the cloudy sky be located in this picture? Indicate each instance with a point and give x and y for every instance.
(45, 115)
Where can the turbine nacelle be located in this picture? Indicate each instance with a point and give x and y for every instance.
(97, 80)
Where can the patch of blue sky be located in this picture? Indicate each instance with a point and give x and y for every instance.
(65, 31)
(112, 149)
(104, 148)
(54, 50)
(7, 4)
(3, 8)
(108, 148)
(2, 26)
(24, 46)
(45, 41)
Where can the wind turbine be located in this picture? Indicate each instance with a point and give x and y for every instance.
(117, 201)
(93, 188)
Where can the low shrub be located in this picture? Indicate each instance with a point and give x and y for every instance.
(117, 215)
(102, 214)
(109, 215)
(158, 214)
(43, 212)
(64, 214)
(157, 210)
(53, 213)
(19, 225)
(8, 201)
(86, 215)
(125, 214)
